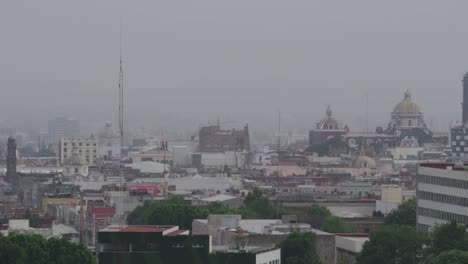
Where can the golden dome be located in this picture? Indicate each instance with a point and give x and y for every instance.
(407, 106)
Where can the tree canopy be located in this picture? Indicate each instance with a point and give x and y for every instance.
(176, 211)
(405, 214)
(299, 248)
(451, 256)
(321, 218)
(393, 244)
(19, 249)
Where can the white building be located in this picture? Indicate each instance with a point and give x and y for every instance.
(441, 194)
(75, 166)
(391, 198)
(109, 143)
(87, 149)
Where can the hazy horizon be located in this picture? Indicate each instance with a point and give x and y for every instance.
(188, 63)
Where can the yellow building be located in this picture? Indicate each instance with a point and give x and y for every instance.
(391, 194)
(87, 149)
(47, 200)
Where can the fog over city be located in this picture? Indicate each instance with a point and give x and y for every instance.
(188, 63)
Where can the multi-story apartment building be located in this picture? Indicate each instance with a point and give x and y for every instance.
(441, 194)
(87, 150)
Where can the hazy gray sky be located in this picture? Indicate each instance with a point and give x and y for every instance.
(192, 61)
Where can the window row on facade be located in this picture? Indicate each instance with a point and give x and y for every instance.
(442, 215)
(443, 181)
(443, 198)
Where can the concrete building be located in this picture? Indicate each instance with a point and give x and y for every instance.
(214, 139)
(225, 231)
(167, 244)
(359, 189)
(74, 166)
(87, 150)
(391, 198)
(441, 194)
(62, 127)
(348, 247)
(233, 202)
(11, 173)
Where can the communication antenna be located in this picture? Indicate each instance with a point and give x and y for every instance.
(121, 118)
(367, 112)
(164, 149)
(121, 96)
(279, 135)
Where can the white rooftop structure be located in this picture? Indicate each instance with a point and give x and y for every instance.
(149, 166)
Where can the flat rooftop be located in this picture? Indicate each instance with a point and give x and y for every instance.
(136, 228)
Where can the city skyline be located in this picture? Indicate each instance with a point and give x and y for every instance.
(174, 58)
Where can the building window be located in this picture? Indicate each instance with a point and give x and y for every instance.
(409, 122)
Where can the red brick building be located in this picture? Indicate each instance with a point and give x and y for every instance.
(214, 139)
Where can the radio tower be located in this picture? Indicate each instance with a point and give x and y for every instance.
(121, 98)
(121, 119)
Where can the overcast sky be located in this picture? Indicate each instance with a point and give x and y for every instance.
(189, 62)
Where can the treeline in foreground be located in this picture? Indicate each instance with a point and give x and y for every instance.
(398, 241)
(175, 211)
(26, 249)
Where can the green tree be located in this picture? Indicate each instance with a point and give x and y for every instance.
(335, 224)
(299, 248)
(175, 211)
(19, 249)
(451, 256)
(321, 218)
(405, 214)
(448, 237)
(393, 244)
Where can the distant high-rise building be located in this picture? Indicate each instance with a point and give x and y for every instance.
(459, 131)
(213, 139)
(62, 127)
(11, 161)
(465, 99)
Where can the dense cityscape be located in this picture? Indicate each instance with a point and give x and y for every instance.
(229, 189)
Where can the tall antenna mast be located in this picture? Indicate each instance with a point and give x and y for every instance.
(367, 112)
(279, 135)
(121, 117)
(121, 97)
